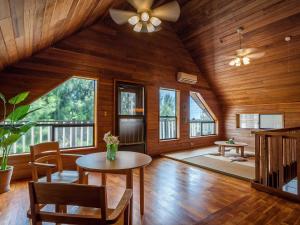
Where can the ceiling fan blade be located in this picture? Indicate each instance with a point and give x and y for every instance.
(134, 3)
(245, 51)
(168, 12)
(229, 57)
(141, 5)
(256, 55)
(120, 16)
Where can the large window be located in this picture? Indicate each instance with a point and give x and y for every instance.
(168, 113)
(66, 116)
(260, 121)
(201, 121)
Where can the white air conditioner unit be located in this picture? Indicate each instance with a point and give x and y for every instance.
(187, 78)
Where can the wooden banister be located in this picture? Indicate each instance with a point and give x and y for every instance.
(277, 153)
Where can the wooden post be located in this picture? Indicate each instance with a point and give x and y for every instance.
(280, 162)
(257, 159)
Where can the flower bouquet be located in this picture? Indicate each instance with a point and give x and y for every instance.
(112, 143)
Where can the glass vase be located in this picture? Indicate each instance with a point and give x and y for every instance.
(111, 151)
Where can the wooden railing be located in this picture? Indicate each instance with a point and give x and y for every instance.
(69, 134)
(277, 153)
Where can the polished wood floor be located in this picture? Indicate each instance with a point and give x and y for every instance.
(176, 193)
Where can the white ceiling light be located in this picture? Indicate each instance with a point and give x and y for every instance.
(150, 27)
(155, 21)
(243, 55)
(145, 17)
(246, 60)
(134, 20)
(138, 27)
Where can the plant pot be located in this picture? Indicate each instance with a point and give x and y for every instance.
(5, 177)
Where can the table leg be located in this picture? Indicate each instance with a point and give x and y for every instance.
(129, 185)
(142, 191)
(237, 149)
(81, 175)
(222, 150)
(103, 179)
(242, 151)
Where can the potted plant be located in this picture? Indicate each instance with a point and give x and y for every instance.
(112, 143)
(11, 129)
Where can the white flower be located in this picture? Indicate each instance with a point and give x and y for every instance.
(110, 139)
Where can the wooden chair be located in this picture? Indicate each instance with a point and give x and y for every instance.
(86, 204)
(47, 156)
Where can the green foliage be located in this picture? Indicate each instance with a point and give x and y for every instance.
(167, 103)
(18, 113)
(71, 101)
(18, 98)
(11, 131)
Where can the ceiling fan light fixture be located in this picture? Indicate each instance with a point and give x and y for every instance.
(246, 60)
(145, 16)
(237, 62)
(155, 21)
(150, 27)
(133, 20)
(138, 27)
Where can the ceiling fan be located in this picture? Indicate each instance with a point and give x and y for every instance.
(243, 56)
(146, 19)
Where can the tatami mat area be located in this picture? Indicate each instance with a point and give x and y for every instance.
(205, 158)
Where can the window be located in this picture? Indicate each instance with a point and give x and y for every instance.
(66, 116)
(168, 111)
(249, 121)
(201, 121)
(260, 121)
(271, 121)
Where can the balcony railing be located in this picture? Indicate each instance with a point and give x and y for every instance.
(202, 128)
(167, 127)
(69, 134)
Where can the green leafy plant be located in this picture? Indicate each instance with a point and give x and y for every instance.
(13, 127)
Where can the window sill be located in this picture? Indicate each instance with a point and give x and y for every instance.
(206, 136)
(168, 140)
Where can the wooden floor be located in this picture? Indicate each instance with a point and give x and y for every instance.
(176, 193)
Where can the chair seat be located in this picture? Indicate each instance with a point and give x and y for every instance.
(66, 176)
(92, 212)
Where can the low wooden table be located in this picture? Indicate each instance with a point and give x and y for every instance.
(124, 164)
(237, 145)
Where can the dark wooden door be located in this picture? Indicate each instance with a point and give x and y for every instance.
(130, 124)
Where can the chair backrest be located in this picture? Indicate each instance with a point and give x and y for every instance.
(45, 152)
(67, 194)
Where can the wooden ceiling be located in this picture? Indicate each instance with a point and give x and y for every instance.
(208, 30)
(27, 26)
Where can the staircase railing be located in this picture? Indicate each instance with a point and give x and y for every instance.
(276, 169)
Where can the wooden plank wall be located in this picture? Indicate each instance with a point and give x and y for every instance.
(208, 30)
(291, 112)
(107, 52)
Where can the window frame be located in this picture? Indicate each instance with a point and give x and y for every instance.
(211, 114)
(238, 122)
(53, 127)
(177, 115)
